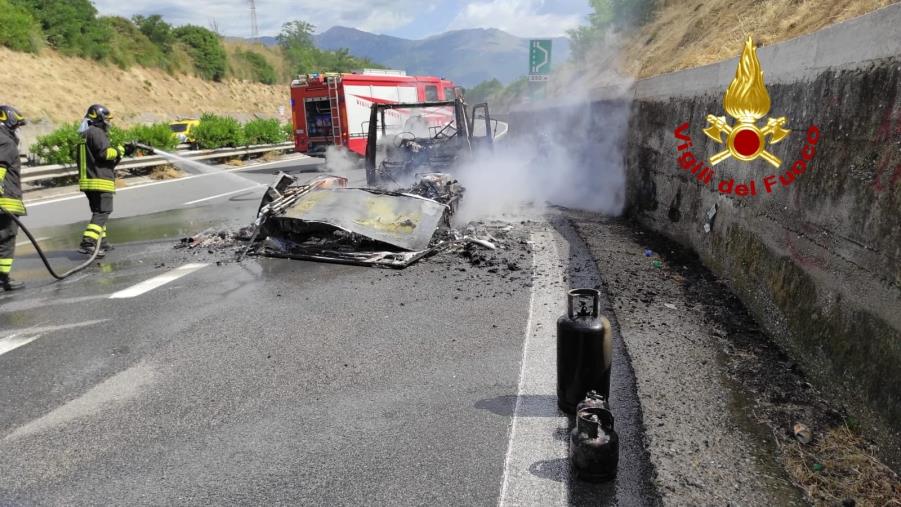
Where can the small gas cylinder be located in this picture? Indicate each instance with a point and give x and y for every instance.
(593, 399)
(594, 445)
(584, 350)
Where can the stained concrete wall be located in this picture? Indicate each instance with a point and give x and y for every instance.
(818, 262)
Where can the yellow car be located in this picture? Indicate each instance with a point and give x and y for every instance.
(181, 130)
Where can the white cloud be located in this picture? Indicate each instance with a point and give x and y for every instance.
(233, 16)
(525, 18)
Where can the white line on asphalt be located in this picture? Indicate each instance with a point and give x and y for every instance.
(534, 447)
(28, 242)
(226, 194)
(25, 336)
(163, 182)
(157, 281)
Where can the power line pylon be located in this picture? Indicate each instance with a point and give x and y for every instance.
(254, 25)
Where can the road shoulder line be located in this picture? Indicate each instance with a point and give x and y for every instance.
(536, 469)
(157, 281)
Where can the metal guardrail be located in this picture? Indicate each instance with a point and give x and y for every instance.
(46, 172)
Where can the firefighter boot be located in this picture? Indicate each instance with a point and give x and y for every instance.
(8, 284)
(87, 247)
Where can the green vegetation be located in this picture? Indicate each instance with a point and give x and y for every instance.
(73, 28)
(607, 15)
(302, 56)
(157, 135)
(205, 49)
(21, 32)
(70, 26)
(288, 131)
(128, 44)
(218, 132)
(58, 147)
(484, 91)
(263, 132)
(262, 71)
(156, 30)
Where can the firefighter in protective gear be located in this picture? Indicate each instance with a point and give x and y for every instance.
(10, 192)
(97, 161)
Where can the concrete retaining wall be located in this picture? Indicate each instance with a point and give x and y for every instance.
(817, 261)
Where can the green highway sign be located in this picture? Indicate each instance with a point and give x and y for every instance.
(539, 58)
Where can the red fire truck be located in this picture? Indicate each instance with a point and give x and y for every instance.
(333, 109)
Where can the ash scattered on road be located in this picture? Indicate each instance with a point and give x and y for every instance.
(495, 249)
(716, 389)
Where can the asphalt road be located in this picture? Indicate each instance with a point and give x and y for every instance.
(158, 378)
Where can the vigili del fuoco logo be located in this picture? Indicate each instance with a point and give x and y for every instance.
(746, 101)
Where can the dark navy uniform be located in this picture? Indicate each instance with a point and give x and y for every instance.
(10, 192)
(97, 161)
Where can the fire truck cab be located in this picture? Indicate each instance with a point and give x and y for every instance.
(333, 109)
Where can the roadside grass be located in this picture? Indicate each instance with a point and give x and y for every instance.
(840, 465)
(683, 35)
(125, 92)
(269, 156)
(165, 172)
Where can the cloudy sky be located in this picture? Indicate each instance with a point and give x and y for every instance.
(413, 19)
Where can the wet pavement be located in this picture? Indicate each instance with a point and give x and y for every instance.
(273, 381)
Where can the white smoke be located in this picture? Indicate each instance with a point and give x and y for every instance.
(566, 150)
(340, 161)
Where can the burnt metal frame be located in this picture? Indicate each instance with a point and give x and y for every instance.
(377, 122)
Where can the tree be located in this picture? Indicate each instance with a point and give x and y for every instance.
(129, 46)
(484, 91)
(154, 28)
(296, 41)
(262, 70)
(296, 34)
(21, 32)
(605, 16)
(71, 26)
(205, 49)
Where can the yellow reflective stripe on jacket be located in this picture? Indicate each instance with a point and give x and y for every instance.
(2, 173)
(97, 185)
(82, 161)
(112, 154)
(13, 205)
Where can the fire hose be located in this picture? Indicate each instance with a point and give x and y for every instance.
(40, 252)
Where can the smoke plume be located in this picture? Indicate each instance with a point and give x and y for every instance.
(567, 149)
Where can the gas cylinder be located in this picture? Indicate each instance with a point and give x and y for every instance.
(594, 445)
(584, 350)
(593, 399)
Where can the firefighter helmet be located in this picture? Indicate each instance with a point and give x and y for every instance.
(98, 115)
(11, 118)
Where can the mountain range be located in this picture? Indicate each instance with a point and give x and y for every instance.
(467, 57)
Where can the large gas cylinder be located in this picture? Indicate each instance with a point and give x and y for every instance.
(584, 350)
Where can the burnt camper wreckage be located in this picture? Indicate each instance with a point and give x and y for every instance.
(411, 194)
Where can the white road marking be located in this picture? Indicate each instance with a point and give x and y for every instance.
(225, 194)
(537, 424)
(25, 336)
(27, 242)
(78, 195)
(157, 281)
